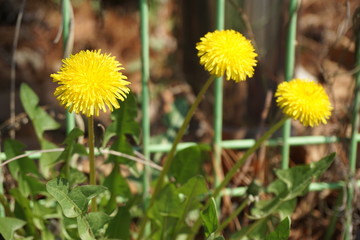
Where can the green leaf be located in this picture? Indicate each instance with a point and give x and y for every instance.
(123, 124)
(48, 160)
(281, 232)
(24, 165)
(193, 190)
(76, 177)
(21, 168)
(188, 162)
(71, 146)
(74, 202)
(177, 114)
(42, 122)
(213, 237)
(286, 208)
(97, 221)
(210, 218)
(165, 212)
(87, 191)
(298, 179)
(192, 193)
(84, 228)
(291, 183)
(255, 231)
(59, 188)
(9, 225)
(172, 121)
(119, 231)
(72, 137)
(117, 186)
(24, 211)
(166, 204)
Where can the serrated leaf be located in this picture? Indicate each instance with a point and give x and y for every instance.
(73, 202)
(298, 179)
(13, 148)
(193, 190)
(22, 168)
(87, 191)
(123, 124)
(9, 225)
(167, 203)
(165, 212)
(119, 231)
(286, 208)
(41, 120)
(76, 177)
(177, 114)
(255, 231)
(23, 210)
(188, 163)
(117, 186)
(73, 135)
(97, 221)
(281, 232)
(59, 188)
(48, 160)
(209, 217)
(84, 228)
(291, 183)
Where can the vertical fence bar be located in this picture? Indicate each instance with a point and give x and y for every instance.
(353, 142)
(289, 72)
(67, 48)
(219, 24)
(144, 35)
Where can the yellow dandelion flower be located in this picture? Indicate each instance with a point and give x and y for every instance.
(305, 101)
(89, 82)
(227, 52)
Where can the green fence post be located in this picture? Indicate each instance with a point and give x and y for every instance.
(354, 134)
(219, 24)
(67, 49)
(144, 35)
(289, 72)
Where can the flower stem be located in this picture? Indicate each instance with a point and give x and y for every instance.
(236, 167)
(170, 156)
(232, 215)
(247, 154)
(92, 159)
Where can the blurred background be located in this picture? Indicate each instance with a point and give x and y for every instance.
(325, 53)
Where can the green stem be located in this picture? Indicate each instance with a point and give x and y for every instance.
(353, 145)
(170, 156)
(236, 167)
(232, 216)
(92, 159)
(247, 154)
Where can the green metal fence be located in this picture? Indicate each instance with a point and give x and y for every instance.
(285, 142)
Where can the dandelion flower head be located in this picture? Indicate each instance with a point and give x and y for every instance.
(90, 81)
(305, 101)
(227, 52)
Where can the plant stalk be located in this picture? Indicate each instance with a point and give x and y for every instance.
(92, 159)
(232, 215)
